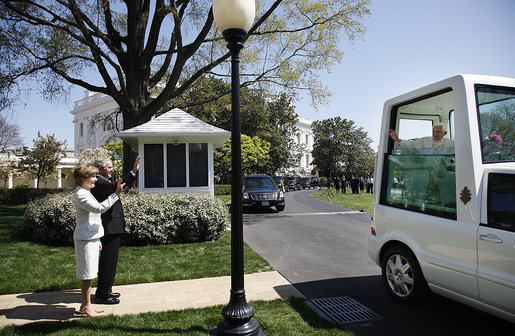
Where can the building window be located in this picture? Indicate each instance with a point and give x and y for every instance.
(154, 170)
(179, 164)
(176, 165)
(108, 124)
(198, 165)
(307, 139)
(307, 160)
(81, 130)
(91, 128)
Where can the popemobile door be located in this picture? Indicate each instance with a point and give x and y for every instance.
(496, 240)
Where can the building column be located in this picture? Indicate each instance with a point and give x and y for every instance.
(59, 179)
(10, 181)
(35, 183)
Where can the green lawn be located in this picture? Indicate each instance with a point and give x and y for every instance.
(28, 267)
(290, 317)
(224, 198)
(348, 200)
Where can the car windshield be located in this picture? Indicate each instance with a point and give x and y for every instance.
(259, 182)
(306, 179)
(291, 178)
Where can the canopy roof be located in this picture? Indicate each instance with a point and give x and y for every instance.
(175, 126)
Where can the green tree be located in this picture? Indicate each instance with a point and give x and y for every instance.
(44, 157)
(270, 117)
(254, 157)
(90, 155)
(282, 120)
(116, 149)
(148, 52)
(340, 145)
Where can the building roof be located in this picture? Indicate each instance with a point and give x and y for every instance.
(176, 126)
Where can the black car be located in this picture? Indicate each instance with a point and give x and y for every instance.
(262, 191)
(314, 182)
(281, 180)
(305, 183)
(293, 183)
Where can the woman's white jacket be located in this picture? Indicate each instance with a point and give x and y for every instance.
(89, 224)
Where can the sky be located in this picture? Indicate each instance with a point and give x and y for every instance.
(408, 44)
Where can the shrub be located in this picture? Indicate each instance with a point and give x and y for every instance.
(222, 189)
(156, 218)
(51, 219)
(23, 193)
(323, 181)
(152, 218)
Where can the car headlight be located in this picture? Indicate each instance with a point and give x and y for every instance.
(245, 196)
(281, 194)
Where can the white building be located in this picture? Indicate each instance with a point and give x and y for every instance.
(304, 137)
(63, 177)
(94, 120)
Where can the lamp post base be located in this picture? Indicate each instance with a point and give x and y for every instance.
(238, 317)
(251, 328)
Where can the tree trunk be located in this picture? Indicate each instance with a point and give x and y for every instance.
(130, 153)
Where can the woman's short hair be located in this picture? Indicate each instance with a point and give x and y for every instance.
(82, 172)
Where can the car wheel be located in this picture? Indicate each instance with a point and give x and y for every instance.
(279, 207)
(402, 275)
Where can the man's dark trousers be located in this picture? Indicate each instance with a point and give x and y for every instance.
(108, 263)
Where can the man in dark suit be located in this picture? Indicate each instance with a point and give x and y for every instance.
(113, 222)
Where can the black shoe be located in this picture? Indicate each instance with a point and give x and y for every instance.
(106, 300)
(114, 295)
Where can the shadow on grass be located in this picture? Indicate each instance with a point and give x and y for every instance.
(11, 219)
(76, 327)
(279, 317)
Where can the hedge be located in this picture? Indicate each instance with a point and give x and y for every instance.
(222, 189)
(151, 218)
(23, 194)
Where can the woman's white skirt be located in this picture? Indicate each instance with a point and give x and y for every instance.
(86, 257)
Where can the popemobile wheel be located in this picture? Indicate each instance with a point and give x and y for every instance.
(279, 207)
(402, 275)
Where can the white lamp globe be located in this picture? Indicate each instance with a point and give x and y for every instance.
(234, 14)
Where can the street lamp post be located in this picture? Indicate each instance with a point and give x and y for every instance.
(234, 18)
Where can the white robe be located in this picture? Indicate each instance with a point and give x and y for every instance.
(425, 142)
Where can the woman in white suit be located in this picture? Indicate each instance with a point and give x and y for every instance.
(88, 231)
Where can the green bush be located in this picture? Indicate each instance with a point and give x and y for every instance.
(22, 193)
(51, 219)
(152, 218)
(222, 189)
(323, 181)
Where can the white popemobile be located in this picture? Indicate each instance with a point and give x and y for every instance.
(444, 213)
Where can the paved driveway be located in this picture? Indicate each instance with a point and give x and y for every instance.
(322, 250)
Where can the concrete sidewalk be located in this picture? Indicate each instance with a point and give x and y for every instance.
(149, 297)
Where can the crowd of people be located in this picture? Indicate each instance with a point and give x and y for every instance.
(357, 185)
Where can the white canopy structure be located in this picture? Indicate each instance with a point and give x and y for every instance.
(176, 152)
